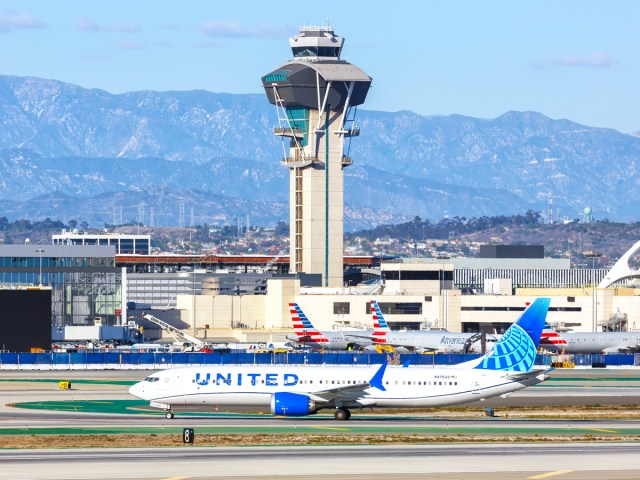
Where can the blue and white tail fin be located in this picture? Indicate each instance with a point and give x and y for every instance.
(516, 350)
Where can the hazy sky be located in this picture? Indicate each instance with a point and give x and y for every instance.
(566, 59)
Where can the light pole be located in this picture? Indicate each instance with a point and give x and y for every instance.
(594, 292)
(40, 252)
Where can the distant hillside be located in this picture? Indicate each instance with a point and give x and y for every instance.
(68, 152)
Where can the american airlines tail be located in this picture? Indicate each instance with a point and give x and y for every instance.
(551, 339)
(303, 328)
(380, 327)
(516, 350)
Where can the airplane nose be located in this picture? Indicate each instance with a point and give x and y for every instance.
(137, 390)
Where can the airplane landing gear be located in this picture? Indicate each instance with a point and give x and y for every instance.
(169, 415)
(342, 414)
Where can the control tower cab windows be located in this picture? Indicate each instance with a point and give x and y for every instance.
(310, 51)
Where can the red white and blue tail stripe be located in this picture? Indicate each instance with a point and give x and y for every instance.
(380, 327)
(551, 339)
(303, 328)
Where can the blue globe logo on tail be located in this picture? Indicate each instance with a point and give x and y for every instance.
(516, 350)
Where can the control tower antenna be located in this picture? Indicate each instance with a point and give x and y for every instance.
(316, 95)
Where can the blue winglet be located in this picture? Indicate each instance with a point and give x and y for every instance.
(376, 380)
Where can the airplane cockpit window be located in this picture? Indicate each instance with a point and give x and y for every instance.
(151, 379)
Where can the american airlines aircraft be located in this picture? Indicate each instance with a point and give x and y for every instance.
(304, 390)
(304, 333)
(551, 340)
(592, 342)
(427, 340)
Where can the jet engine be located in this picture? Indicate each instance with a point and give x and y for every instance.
(292, 404)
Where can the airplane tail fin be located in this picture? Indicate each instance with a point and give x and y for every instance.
(380, 327)
(516, 350)
(551, 339)
(302, 326)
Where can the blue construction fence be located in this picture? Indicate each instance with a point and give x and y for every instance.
(132, 360)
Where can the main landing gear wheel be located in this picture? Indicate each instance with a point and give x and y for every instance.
(170, 415)
(342, 414)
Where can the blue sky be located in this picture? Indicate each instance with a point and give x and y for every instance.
(566, 59)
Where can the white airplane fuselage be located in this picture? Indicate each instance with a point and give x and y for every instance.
(435, 341)
(256, 386)
(598, 342)
(335, 340)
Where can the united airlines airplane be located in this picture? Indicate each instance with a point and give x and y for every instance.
(304, 390)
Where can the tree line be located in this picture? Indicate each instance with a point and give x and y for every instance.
(446, 228)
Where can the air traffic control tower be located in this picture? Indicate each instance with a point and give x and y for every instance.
(316, 95)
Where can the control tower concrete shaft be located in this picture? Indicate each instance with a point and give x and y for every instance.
(316, 95)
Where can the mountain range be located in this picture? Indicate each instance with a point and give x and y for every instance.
(166, 158)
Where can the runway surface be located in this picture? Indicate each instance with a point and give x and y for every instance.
(564, 460)
(497, 461)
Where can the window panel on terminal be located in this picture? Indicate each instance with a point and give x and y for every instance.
(400, 308)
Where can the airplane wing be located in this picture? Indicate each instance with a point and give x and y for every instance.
(525, 375)
(350, 392)
(413, 348)
(626, 348)
(394, 344)
(345, 392)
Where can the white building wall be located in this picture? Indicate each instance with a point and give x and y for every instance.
(572, 308)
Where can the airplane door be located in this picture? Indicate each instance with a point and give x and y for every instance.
(476, 382)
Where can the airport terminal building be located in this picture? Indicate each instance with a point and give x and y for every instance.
(90, 285)
(81, 285)
(457, 294)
